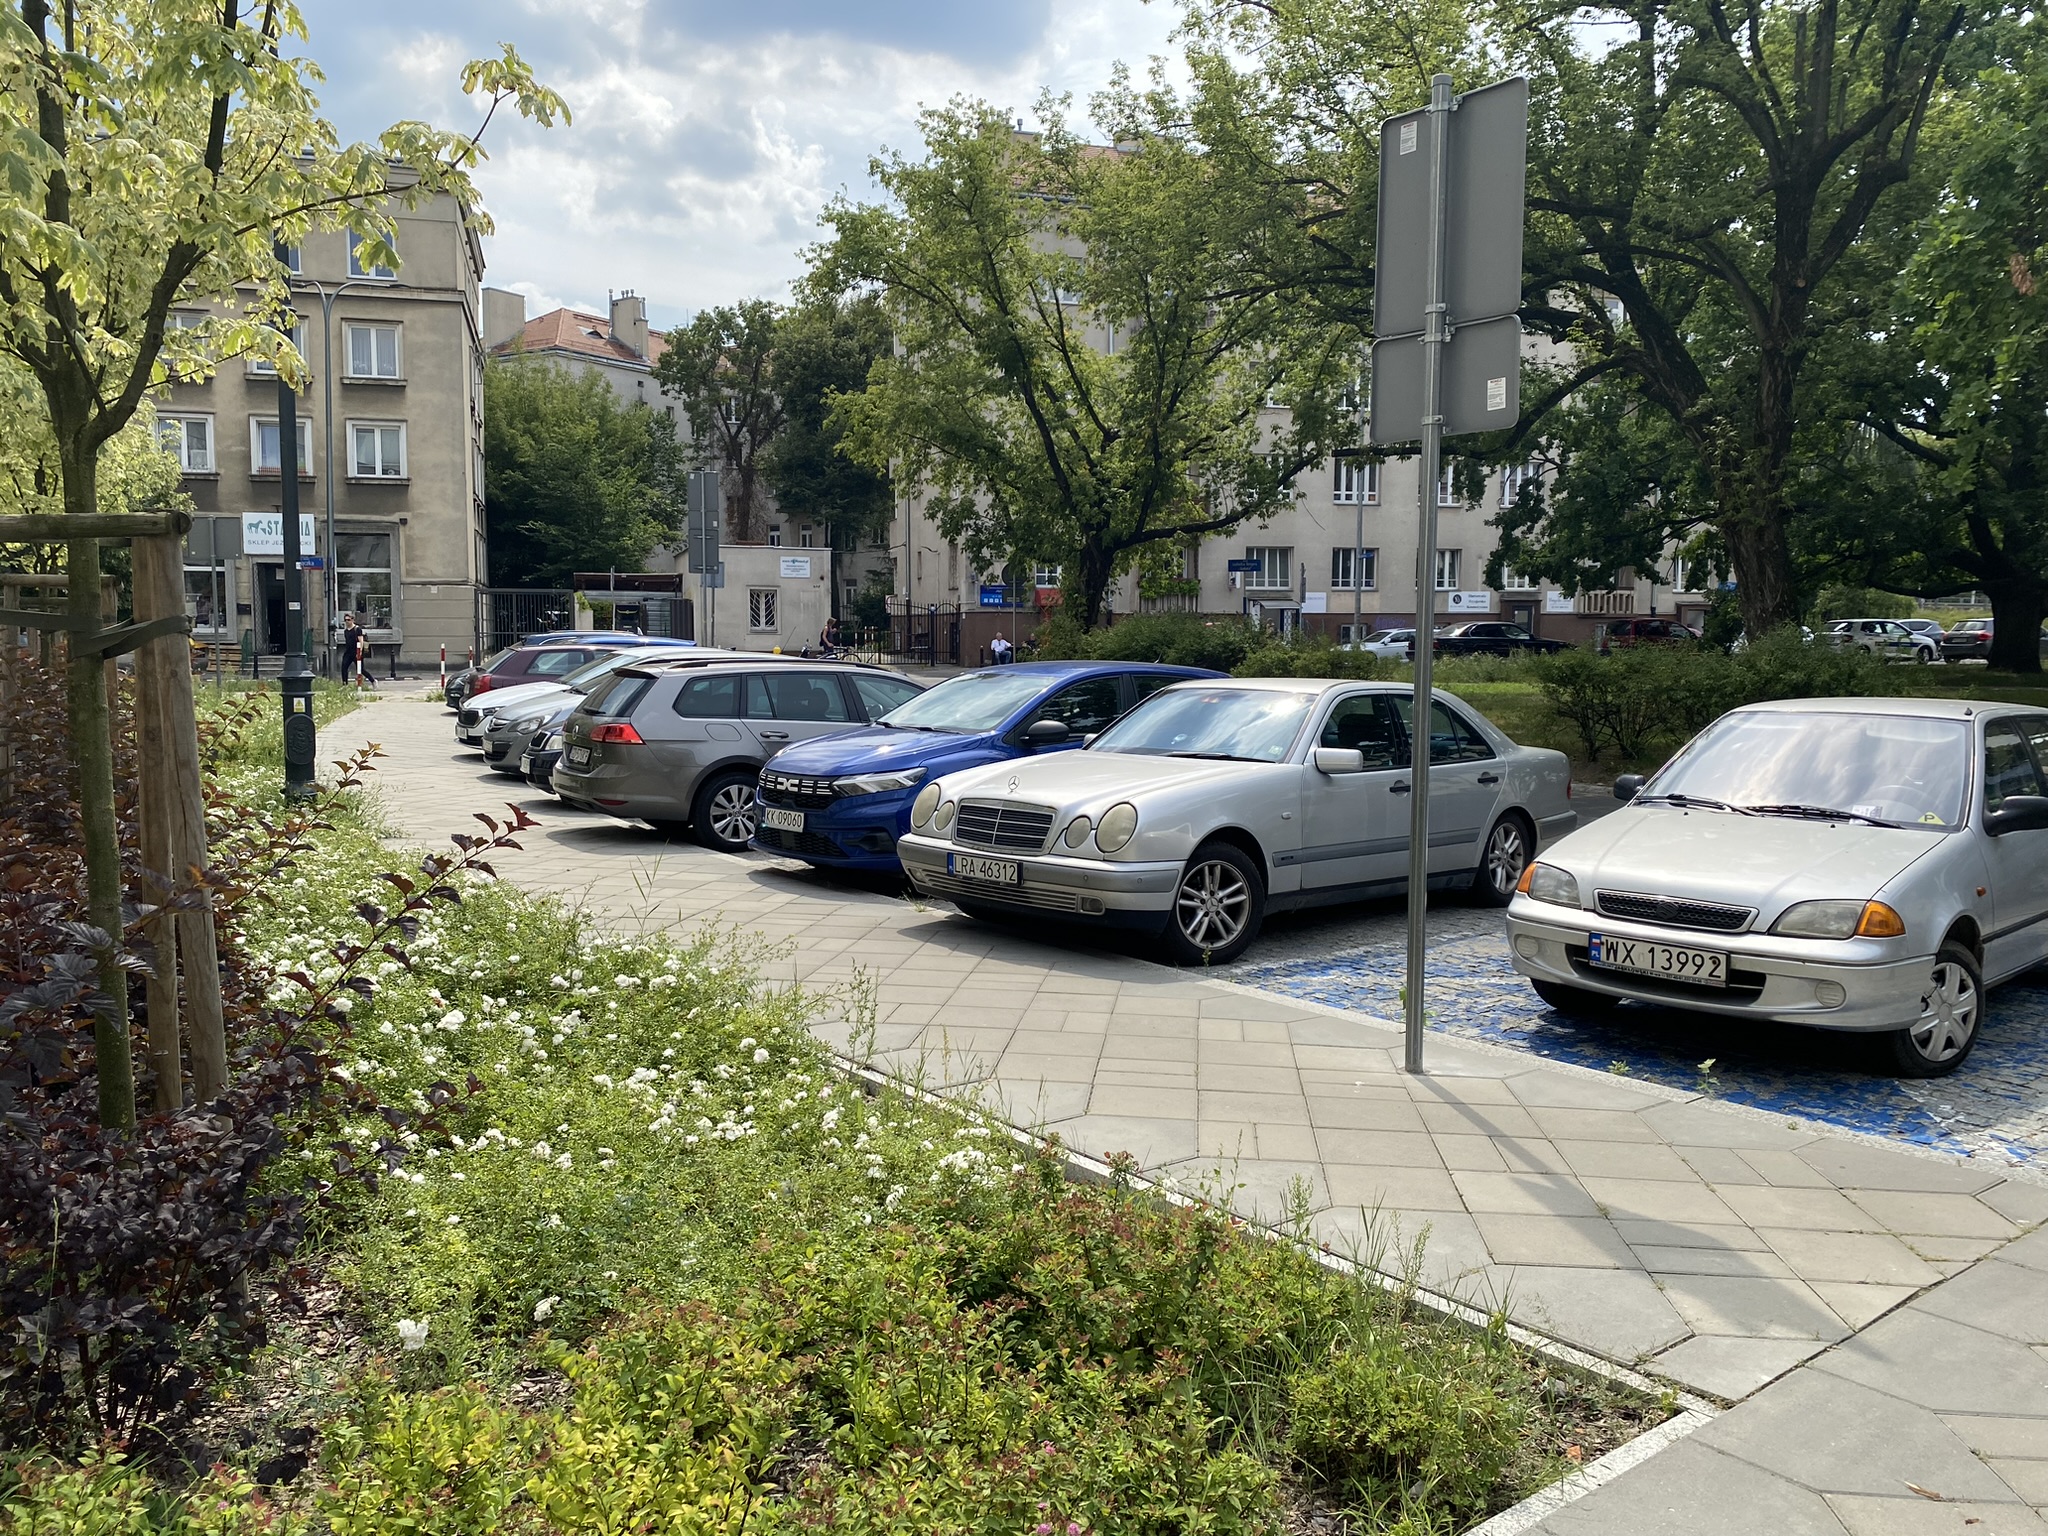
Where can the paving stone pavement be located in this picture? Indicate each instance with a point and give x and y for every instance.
(1876, 1310)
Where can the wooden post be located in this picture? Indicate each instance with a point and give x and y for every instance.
(159, 593)
(159, 858)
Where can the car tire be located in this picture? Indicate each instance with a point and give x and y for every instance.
(1505, 853)
(722, 815)
(1575, 1002)
(1951, 1017)
(1218, 904)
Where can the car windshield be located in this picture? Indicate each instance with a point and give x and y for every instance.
(1253, 725)
(1892, 769)
(970, 703)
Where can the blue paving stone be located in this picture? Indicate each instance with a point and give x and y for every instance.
(1996, 1105)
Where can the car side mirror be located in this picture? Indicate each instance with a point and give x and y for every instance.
(1628, 786)
(1339, 760)
(1047, 733)
(1089, 740)
(2018, 813)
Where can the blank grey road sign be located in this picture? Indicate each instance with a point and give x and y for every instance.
(1489, 155)
(1482, 382)
(707, 513)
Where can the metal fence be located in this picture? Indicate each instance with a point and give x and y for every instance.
(925, 635)
(507, 615)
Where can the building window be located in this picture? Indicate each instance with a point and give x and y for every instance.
(206, 593)
(1045, 576)
(1514, 477)
(268, 369)
(775, 535)
(1512, 580)
(291, 259)
(1446, 493)
(1357, 481)
(357, 269)
(376, 450)
(1276, 568)
(807, 537)
(1355, 396)
(191, 439)
(362, 577)
(850, 594)
(1447, 570)
(263, 446)
(372, 351)
(1364, 562)
(761, 605)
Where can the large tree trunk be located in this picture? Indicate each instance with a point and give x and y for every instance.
(2017, 608)
(1765, 587)
(1094, 576)
(92, 759)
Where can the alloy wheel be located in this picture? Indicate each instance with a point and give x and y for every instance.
(732, 812)
(1213, 905)
(1948, 1014)
(1506, 854)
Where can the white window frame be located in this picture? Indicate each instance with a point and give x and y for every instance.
(293, 259)
(1446, 490)
(763, 610)
(388, 570)
(348, 351)
(1269, 557)
(1514, 476)
(263, 368)
(188, 465)
(218, 586)
(1345, 561)
(356, 268)
(807, 537)
(1355, 481)
(1447, 561)
(1046, 577)
(381, 477)
(258, 470)
(1512, 580)
(775, 535)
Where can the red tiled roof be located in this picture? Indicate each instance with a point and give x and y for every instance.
(570, 330)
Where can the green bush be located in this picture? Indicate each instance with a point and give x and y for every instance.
(1307, 655)
(1846, 602)
(1177, 639)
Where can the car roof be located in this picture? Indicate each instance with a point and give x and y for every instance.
(1308, 685)
(1066, 669)
(1923, 709)
(663, 665)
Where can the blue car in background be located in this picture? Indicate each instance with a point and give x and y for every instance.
(840, 802)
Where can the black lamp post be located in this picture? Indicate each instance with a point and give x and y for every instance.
(300, 744)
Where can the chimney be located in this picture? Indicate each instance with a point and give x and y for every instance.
(629, 321)
(504, 316)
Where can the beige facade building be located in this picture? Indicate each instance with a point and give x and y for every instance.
(390, 451)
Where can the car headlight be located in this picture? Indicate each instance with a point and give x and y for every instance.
(877, 783)
(1546, 882)
(922, 807)
(1839, 920)
(1077, 831)
(1119, 826)
(530, 724)
(945, 817)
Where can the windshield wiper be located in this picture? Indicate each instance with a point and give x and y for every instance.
(1213, 757)
(1818, 813)
(1701, 801)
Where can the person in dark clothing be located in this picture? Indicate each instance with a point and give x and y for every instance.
(354, 643)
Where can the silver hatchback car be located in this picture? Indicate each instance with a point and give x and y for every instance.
(1854, 864)
(683, 746)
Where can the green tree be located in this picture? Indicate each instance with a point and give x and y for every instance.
(721, 366)
(153, 154)
(574, 478)
(823, 350)
(1086, 349)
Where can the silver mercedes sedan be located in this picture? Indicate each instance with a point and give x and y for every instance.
(1854, 864)
(1214, 803)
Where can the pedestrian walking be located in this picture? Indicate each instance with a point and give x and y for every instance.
(354, 643)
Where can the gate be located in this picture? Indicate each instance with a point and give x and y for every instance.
(925, 635)
(507, 615)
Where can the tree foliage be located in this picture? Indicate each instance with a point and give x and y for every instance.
(153, 155)
(823, 350)
(722, 367)
(574, 478)
(1086, 346)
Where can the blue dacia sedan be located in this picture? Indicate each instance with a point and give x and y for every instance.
(842, 801)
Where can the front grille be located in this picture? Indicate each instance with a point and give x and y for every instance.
(808, 844)
(1046, 898)
(1670, 912)
(809, 794)
(1000, 824)
(471, 719)
(497, 749)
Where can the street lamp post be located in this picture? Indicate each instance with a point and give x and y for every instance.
(296, 686)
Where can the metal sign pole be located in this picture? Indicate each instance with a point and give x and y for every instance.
(1434, 335)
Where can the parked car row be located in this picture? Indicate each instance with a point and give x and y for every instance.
(1866, 865)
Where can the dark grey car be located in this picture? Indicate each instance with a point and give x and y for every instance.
(684, 746)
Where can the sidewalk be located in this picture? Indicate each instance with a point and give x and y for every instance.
(1713, 1245)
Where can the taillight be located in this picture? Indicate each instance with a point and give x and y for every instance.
(483, 684)
(617, 733)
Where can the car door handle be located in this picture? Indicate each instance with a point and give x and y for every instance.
(773, 735)
(1489, 778)
(1399, 789)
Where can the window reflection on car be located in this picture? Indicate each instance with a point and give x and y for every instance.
(1891, 768)
(1243, 724)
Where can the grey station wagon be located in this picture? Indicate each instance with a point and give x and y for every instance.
(683, 747)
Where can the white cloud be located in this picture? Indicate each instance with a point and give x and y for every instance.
(702, 153)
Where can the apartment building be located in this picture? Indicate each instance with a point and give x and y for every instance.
(390, 452)
(618, 347)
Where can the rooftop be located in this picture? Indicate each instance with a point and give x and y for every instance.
(585, 335)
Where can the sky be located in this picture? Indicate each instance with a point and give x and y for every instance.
(708, 134)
